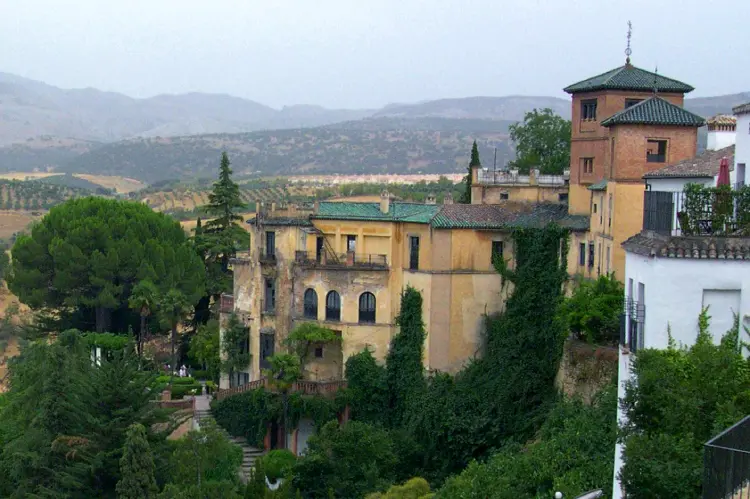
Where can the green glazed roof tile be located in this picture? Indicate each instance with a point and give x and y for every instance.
(654, 111)
(629, 77)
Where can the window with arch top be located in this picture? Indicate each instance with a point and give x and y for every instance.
(333, 306)
(311, 304)
(367, 307)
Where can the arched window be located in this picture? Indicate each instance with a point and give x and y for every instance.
(333, 306)
(367, 307)
(311, 304)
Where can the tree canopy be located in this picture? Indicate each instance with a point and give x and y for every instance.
(542, 141)
(84, 258)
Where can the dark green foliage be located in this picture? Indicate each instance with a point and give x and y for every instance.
(205, 456)
(405, 372)
(350, 460)
(136, 466)
(572, 454)
(466, 195)
(716, 204)
(207, 490)
(204, 349)
(307, 334)
(682, 398)
(84, 258)
(542, 141)
(367, 388)
(234, 346)
(278, 463)
(593, 311)
(4, 262)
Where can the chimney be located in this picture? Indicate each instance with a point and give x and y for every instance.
(448, 199)
(273, 206)
(430, 199)
(385, 201)
(721, 132)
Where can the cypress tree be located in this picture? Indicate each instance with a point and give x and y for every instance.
(466, 196)
(405, 374)
(136, 466)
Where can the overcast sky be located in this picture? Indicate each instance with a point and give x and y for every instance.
(367, 53)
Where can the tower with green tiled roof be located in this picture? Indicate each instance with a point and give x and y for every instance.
(625, 122)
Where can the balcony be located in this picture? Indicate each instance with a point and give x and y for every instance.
(267, 257)
(301, 387)
(698, 211)
(726, 463)
(341, 260)
(631, 325)
(226, 304)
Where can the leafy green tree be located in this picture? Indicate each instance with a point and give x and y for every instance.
(593, 310)
(136, 466)
(416, 488)
(205, 347)
(205, 456)
(571, 454)
(308, 334)
(466, 196)
(677, 400)
(143, 299)
(351, 460)
(83, 259)
(221, 237)
(4, 262)
(173, 307)
(367, 387)
(405, 371)
(234, 346)
(542, 141)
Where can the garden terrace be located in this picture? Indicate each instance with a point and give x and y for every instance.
(698, 211)
(301, 387)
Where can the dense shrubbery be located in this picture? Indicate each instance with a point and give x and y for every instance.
(593, 311)
(682, 397)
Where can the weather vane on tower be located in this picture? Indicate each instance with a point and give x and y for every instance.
(627, 50)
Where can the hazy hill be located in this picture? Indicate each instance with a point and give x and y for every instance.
(313, 150)
(710, 106)
(489, 108)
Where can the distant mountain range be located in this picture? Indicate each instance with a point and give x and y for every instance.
(43, 127)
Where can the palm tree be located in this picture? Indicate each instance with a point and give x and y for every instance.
(173, 306)
(143, 300)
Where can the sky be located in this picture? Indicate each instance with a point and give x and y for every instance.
(368, 53)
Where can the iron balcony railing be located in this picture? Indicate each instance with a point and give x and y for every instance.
(726, 463)
(702, 214)
(632, 325)
(362, 260)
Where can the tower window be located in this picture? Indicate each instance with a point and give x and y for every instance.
(631, 102)
(587, 165)
(656, 151)
(588, 110)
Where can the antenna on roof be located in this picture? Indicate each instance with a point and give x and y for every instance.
(656, 75)
(627, 50)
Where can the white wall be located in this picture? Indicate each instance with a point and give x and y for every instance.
(623, 375)
(719, 139)
(742, 147)
(676, 289)
(677, 184)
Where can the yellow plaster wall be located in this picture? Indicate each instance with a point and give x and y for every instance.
(490, 194)
(579, 199)
(627, 220)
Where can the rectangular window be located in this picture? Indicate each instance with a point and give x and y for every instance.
(497, 251)
(588, 110)
(245, 345)
(318, 352)
(413, 253)
(582, 254)
(270, 296)
(587, 165)
(267, 347)
(609, 211)
(592, 253)
(630, 288)
(594, 207)
(631, 102)
(656, 151)
(563, 197)
(503, 195)
(351, 243)
(319, 243)
(270, 244)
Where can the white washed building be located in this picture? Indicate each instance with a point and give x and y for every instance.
(671, 276)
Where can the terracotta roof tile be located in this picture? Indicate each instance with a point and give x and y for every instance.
(654, 111)
(742, 109)
(649, 243)
(705, 165)
(629, 77)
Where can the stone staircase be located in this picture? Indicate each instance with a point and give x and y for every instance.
(249, 453)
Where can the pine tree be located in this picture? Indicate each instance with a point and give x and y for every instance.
(405, 374)
(466, 196)
(136, 466)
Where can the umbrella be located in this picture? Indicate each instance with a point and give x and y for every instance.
(723, 172)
